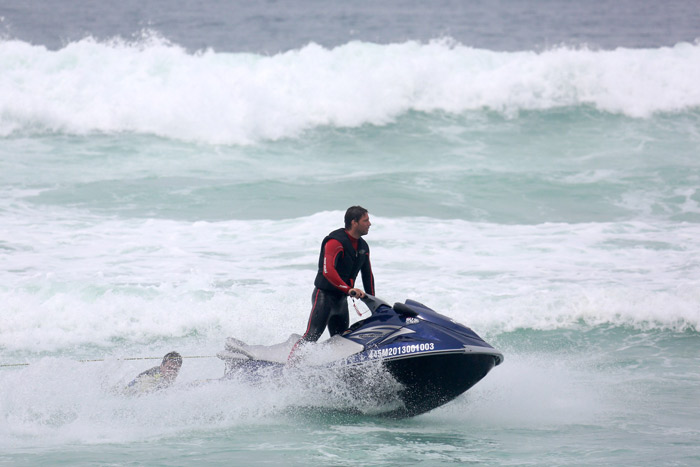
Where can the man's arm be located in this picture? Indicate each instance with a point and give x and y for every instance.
(332, 249)
(368, 277)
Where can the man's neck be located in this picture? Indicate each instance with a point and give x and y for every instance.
(354, 240)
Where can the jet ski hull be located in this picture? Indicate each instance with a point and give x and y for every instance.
(431, 381)
(432, 358)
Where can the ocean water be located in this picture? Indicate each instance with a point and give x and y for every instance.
(168, 170)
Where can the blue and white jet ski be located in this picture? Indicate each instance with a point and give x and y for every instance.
(432, 357)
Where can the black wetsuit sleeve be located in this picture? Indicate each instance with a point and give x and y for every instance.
(368, 277)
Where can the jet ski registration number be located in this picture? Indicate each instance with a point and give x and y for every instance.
(401, 350)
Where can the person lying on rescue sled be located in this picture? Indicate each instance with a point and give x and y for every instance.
(157, 378)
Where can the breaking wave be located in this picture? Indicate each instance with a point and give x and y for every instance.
(156, 87)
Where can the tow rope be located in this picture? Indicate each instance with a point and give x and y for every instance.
(103, 359)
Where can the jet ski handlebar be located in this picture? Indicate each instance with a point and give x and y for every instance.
(374, 303)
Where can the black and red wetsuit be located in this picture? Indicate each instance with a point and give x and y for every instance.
(341, 258)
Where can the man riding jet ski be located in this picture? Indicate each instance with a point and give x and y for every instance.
(432, 357)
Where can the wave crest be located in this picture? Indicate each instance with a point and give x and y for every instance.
(156, 87)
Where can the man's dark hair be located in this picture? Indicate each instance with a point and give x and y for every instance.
(172, 356)
(354, 213)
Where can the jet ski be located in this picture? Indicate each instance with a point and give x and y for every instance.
(433, 358)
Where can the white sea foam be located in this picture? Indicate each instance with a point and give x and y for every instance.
(155, 87)
(62, 400)
(94, 281)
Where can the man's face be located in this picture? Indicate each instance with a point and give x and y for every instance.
(363, 225)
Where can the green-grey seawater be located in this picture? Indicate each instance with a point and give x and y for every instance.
(163, 189)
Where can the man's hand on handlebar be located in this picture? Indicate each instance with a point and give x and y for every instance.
(356, 293)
